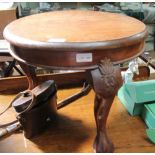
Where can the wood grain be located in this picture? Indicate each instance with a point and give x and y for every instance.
(49, 38)
(17, 84)
(6, 17)
(75, 26)
(75, 133)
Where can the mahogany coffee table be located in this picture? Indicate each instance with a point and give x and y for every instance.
(93, 41)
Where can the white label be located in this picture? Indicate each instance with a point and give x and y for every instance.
(56, 40)
(84, 57)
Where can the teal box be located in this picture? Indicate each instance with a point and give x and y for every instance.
(134, 95)
(141, 91)
(148, 114)
(132, 107)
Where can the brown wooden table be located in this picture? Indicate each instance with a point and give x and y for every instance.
(87, 40)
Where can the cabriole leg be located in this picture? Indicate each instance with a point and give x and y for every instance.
(106, 81)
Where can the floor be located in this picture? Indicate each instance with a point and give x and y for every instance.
(75, 129)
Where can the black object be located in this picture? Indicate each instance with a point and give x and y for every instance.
(9, 69)
(35, 107)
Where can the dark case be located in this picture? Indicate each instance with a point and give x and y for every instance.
(44, 107)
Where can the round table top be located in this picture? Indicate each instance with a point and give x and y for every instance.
(81, 38)
(74, 26)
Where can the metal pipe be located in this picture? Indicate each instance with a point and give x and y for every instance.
(85, 90)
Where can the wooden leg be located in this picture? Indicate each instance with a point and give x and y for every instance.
(106, 81)
(30, 74)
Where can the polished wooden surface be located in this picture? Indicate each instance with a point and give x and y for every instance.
(75, 26)
(75, 132)
(58, 35)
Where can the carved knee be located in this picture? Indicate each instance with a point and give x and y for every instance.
(106, 79)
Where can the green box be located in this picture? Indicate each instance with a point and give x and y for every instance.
(141, 91)
(148, 114)
(134, 95)
(132, 107)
